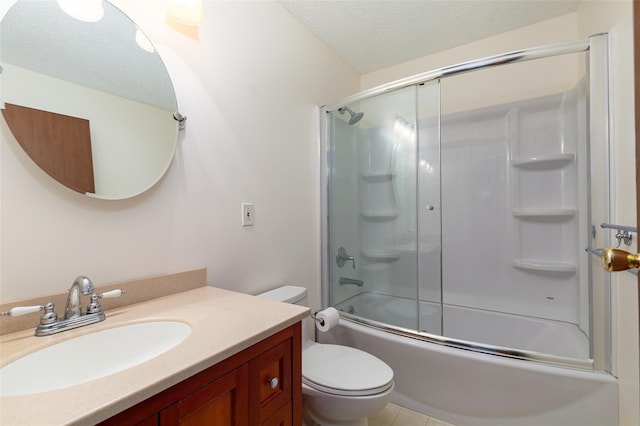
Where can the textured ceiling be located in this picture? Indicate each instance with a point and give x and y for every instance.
(103, 55)
(374, 34)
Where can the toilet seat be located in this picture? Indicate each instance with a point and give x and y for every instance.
(342, 370)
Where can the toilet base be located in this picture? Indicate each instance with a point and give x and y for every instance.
(324, 409)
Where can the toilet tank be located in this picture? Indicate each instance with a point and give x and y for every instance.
(288, 294)
(297, 296)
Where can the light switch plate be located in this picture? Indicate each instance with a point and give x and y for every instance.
(247, 214)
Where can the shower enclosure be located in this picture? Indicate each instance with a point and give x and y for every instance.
(459, 203)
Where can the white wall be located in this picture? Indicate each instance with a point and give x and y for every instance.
(249, 86)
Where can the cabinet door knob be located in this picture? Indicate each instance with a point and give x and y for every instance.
(273, 383)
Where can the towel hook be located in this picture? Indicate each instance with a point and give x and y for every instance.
(623, 235)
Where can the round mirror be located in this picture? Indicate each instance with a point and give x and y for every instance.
(87, 96)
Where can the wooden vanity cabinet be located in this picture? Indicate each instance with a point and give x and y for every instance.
(262, 385)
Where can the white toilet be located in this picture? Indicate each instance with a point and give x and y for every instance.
(341, 386)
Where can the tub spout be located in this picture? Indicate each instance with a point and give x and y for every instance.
(346, 281)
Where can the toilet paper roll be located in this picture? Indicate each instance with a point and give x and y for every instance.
(327, 319)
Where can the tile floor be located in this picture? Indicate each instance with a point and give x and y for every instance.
(394, 415)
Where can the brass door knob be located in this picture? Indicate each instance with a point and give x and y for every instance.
(614, 260)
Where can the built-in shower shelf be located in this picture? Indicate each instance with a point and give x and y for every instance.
(543, 265)
(552, 161)
(412, 247)
(377, 176)
(376, 268)
(380, 214)
(381, 255)
(544, 213)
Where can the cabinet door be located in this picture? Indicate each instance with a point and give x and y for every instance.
(223, 402)
(270, 375)
(282, 417)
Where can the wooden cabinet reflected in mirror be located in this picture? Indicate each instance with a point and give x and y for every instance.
(59, 144)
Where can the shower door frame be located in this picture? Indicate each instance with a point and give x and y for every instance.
(598, 40)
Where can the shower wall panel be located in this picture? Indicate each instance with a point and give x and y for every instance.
(476, 242)
(510, 208)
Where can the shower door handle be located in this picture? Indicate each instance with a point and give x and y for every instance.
(614, 260)
(342, 257)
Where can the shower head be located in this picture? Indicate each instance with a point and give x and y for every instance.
(355, 116)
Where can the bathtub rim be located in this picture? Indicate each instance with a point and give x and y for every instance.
(486, 349)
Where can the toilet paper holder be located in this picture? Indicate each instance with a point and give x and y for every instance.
(325, 319)
(314, 316)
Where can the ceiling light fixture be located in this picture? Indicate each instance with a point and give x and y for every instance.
(83, 10)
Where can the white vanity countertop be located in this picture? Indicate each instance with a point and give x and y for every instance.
(223, 323)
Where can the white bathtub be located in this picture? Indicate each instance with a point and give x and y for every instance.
(475, 325)
(470, 388)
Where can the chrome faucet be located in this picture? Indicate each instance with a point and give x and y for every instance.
(74, 308)
(73, 316)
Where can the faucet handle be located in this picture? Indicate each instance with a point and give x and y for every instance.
(342, 257)
(95, 307)
(48, 317)
(112, 293)
(22, 310)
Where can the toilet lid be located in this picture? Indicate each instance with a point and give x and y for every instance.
(343, 370)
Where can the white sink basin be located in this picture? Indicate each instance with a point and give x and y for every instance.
(89, 357)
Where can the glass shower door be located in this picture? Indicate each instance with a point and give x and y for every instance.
(373, 249)
(461, 207)
(429, 212)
